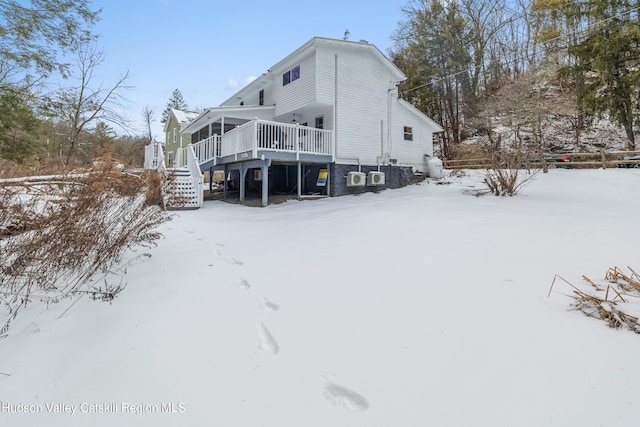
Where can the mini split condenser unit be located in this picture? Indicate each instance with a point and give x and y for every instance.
(375, 178)
(356, 179)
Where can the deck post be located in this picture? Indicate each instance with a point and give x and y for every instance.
(224, 182)
(265, 182)
(243, 175)
(299, 179)
(328, 186)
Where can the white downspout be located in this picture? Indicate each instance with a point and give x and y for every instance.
(389, 121)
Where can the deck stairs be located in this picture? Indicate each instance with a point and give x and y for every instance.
(181, 190)
(183, 187)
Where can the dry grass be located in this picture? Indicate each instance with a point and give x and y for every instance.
(62, 236)
(609, 301)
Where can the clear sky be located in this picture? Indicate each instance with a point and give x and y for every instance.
(209, 49)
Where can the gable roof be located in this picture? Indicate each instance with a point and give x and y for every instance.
(182, 117)
(436, 128)
(315, 42)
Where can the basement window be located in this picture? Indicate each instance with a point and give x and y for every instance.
(408, 133)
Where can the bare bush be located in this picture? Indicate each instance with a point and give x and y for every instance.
(504, 176)
(61, 235)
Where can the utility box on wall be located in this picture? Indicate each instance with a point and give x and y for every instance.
(375, 178)
(356, 179)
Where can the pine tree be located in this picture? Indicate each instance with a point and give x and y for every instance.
(176, 101)
(18, 125)
(603, 42)
(35, 34)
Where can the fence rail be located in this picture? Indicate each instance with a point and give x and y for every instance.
(602, 159)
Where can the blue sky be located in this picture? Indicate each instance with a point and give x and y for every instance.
(209, 49)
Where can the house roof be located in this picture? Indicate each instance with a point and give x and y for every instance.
(436, 128)
(312, 44)
(182, 117)
(215, 113)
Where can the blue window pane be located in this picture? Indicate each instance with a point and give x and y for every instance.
(295, 73)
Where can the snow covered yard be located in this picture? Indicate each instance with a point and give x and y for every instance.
(421, 306)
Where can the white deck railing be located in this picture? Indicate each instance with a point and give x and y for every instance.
(196, 176)
(293, 138)
(204, 150)
(154, 156)
(262, 135)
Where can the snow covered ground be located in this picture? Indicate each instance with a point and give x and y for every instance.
(421, 306)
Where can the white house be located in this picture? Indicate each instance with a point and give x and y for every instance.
(326, 119)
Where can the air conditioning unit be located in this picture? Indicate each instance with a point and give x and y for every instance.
(375, 178)
(257, 175)
(356, 179)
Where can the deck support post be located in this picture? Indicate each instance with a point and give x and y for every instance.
(299, 179)
(225, 184)
(265, 182)
(243, 176)
(328, 186)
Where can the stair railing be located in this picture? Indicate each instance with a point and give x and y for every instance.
(194, 170)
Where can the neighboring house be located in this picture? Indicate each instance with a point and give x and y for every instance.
(325, 120)
(175, 138)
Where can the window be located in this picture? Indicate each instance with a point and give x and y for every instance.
(291, 76)
(320, 122)
(295, 73)
(408, 133)
(175, 135)
(170, 157)
(261, 97)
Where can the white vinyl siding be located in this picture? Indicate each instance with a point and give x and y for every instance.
(362, 105)
(411, 152)
(297, 93)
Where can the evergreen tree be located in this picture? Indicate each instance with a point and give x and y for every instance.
(34, 33)
(176, 101)
(18, 125)
(432, 48)
(603, 42)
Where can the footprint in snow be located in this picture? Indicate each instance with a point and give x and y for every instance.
(235, 261)
(244, 283)
(348, 399)
(267, 342)
(270, 305)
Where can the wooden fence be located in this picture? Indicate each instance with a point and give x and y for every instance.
(602, 159)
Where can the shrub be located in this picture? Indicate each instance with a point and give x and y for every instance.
(60, 235)
(503, 177)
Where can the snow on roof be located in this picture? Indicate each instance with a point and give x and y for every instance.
(184, 117)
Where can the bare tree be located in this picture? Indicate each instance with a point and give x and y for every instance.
(89, 101)
(148, 115)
